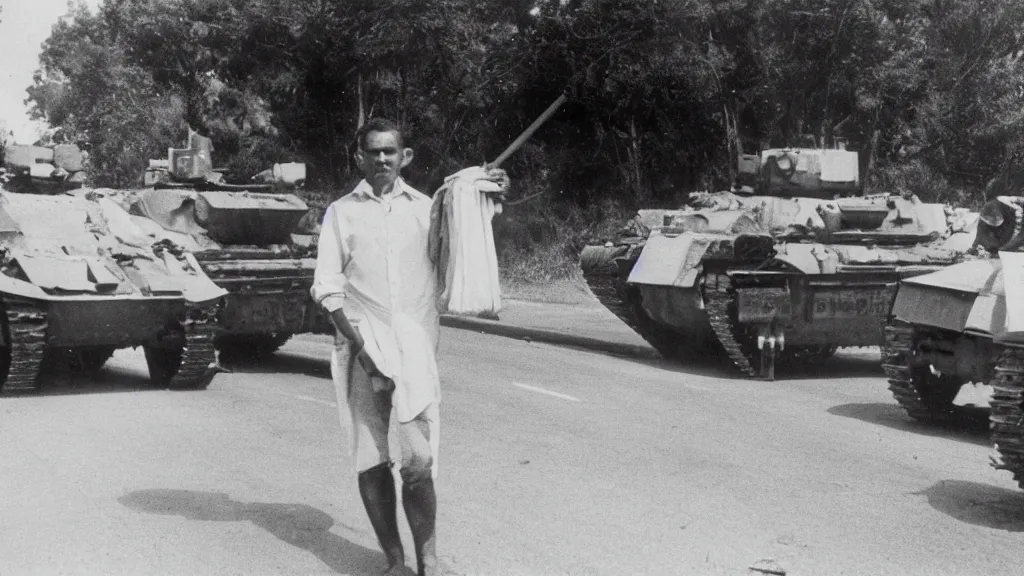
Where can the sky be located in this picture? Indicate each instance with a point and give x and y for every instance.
(24, 24)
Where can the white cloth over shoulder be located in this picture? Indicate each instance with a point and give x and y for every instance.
(463, 243)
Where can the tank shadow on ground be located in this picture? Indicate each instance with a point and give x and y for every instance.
(281, 363)
(299, 525)
(715, 365)
(978, 504)
(61, 383)
(967, 424)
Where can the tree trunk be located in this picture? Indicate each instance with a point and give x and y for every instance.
(635, 158)
(362, 107)
(732, 145)
(872, 154)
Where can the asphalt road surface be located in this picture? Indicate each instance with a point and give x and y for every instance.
(554, 461)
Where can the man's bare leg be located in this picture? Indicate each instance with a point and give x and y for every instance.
(377, 488)
(418, 497)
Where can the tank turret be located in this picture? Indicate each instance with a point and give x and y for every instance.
(251, 238)
(43, 169)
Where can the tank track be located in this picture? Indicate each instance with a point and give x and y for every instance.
(198, 356)
(1006, 422)
(26, 328)
(897, 348)
(186, 357)
(607, 291)
(718, 294)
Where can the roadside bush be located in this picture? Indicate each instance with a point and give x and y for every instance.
(918, 178)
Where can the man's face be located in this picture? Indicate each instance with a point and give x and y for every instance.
(380, 158)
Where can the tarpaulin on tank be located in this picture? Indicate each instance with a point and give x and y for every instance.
(86, 243)
(175, 210)
(671, 261)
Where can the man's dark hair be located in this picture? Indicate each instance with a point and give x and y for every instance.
(378, 125)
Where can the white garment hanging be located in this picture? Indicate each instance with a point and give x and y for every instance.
(471, 280)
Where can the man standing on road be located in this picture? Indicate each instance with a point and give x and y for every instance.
(375, 278)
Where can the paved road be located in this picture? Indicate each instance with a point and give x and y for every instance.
(554, 462)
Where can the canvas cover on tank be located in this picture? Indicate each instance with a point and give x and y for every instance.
(67, 244)
(209, 220)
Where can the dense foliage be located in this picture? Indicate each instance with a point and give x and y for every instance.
(661, 92)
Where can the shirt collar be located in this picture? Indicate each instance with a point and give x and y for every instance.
(400, 187)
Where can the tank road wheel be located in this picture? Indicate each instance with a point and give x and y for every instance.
(82, 360)
(184, 357)
(1006, 420)
(25, 334)
(923, 395)
(89, 359)
(249, 347)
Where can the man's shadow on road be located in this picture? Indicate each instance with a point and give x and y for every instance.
(300, 525)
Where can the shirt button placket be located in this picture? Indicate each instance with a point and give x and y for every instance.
(392, 258)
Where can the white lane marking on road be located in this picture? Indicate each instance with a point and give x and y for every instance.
(548, 392)
(301, 397)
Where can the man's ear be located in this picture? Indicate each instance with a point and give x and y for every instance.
(357, 157)
(407, 155)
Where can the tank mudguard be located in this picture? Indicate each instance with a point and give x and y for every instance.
(9, 285)
(671, 260)
(957, 298)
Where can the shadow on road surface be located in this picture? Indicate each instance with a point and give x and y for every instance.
(300, 525)
(717, 365)
(62, 383)
(978, 504)
(845, 364)
(966, 424)
(283, 363)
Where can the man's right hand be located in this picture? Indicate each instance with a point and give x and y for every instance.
(367, 363)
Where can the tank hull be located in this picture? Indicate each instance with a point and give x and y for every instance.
(962, 325)
(807, 315)
(246, 243)
(768, 280)
(264, 295)
(122, 322)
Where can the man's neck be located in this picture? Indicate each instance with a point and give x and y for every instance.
(387, 188)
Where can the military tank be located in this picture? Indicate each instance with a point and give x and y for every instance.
(790, 265)
(965, 324)
(43, 169)
(80, 280)
(255, 239)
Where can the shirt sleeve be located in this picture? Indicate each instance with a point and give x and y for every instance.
(329, 279)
